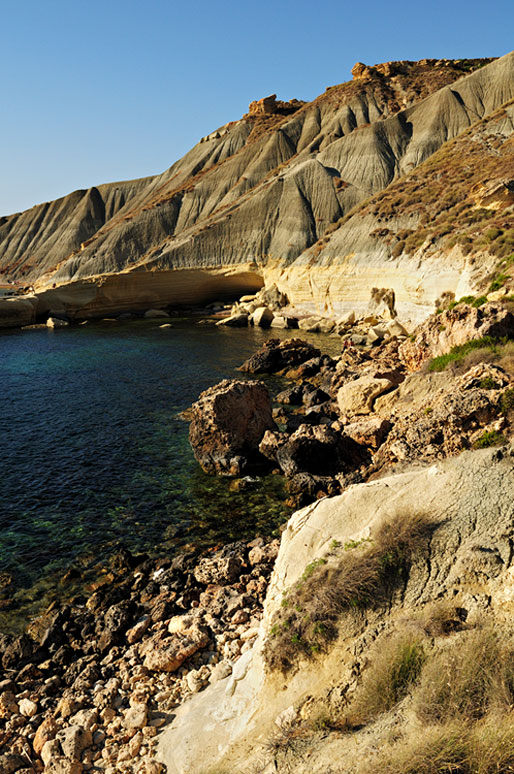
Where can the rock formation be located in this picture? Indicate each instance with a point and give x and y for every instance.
(227, 425)
(464, 561)
(271, 199)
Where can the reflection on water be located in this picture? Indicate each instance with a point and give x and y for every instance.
(95, 456)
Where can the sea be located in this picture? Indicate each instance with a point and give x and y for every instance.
(96, 454)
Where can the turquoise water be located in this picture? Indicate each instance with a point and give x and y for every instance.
(95, 456)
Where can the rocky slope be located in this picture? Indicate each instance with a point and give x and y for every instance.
(261, 719)
(248, 202)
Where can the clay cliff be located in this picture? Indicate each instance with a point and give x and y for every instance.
(267, 199)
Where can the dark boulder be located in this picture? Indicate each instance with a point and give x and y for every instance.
(275, 355)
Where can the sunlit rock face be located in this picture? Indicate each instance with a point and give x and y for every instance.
(270, 195)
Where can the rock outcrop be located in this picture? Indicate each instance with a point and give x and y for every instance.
(228, 423)
(454, 327)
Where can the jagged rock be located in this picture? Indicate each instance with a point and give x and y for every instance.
(317, 450)
(357, 397)
(382, 304)
(368, 432)
(18, 651)
(10, 762)
(56, 322)
(440, 332)
(275, 355)
(272, 297)
(228, 423)
(45, 732)
(73, 740)
(113, 626)
(136, 716)
(63, 766)
(239, 320)
(222, 567)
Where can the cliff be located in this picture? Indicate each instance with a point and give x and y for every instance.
(255, 201)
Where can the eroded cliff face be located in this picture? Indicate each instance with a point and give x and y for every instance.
(262, 191)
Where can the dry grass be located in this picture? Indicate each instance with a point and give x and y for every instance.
(355, 576)
(396, 665)
(455, 748)
(473, 677)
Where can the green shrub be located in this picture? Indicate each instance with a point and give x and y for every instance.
(458, 353)
(489, 438)
(507, 400)
(488, 383)
(498, 282)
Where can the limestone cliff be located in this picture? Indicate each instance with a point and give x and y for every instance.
(253, 197)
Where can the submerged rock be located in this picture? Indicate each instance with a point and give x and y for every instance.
(228, 423)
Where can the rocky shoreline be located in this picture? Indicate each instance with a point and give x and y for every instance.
(89, 684)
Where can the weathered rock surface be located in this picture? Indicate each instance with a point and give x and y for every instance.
(357, 397)
(257, 196)
(440, 332)
(227, 425)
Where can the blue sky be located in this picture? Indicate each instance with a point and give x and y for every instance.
(110, 90)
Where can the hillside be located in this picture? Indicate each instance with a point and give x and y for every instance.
(248, 202)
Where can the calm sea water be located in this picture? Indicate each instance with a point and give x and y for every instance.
(94, 455)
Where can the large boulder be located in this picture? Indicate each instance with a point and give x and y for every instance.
(440, 332)
(318, 450)
(357, 397)
(275, 355)
(228, 423)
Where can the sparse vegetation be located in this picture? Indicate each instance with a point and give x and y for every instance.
(507, 400)
(394, 670)
(458, 353)
(360, 574)
(467, 681)
(489, 438)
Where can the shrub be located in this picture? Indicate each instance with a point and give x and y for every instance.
(458, 353)
(498, 282)
(507, 400)
(359, 575)
(488, 383)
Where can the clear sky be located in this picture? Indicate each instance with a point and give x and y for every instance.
(106, 90)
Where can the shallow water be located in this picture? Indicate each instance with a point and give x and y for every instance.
(96, 457)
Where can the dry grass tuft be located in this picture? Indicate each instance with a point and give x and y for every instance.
(467, 680)
(357, 576)
(453, 748)
(395, 668)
